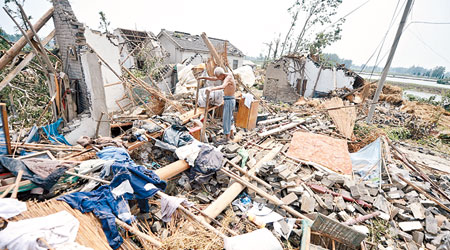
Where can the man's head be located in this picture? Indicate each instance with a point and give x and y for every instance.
(219, 73)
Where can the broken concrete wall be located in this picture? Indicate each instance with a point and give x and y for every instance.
(94, 81)
(282, 77)
(108, 49)
(326, 81)
(277, 87)
(69, 35)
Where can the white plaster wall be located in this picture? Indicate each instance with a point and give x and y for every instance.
(325, 83)
(170, 47)
(111, 54)
(239, 59)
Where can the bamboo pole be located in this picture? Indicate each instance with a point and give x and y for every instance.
(135, 231)
(7, 191)
(264, 194)
(223, 201)
(251, 176)
(205, 117)
(17, 47)
(16, 184)
(418, 189)
(23, 63)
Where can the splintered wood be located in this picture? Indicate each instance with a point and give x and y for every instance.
(344, 117)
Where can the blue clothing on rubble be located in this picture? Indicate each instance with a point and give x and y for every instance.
(130, 182)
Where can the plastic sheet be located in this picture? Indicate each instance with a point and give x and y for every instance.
(367, 162)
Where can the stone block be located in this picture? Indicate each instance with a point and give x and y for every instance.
(418, 237)
(418, 210)
(288, 199)
(308, 204)
(431, 224)
(408, 226)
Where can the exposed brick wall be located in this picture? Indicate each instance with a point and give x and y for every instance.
(69, 35)
(277, 87)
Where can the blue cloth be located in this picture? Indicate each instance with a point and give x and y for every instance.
(51, 131)
(108, 201)
(228, 109)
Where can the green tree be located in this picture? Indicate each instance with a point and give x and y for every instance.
(438, 72)
(317, 13)
(104, 23)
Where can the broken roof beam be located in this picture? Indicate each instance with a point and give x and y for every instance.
(225, 199)
(18, 46)
(23, 63)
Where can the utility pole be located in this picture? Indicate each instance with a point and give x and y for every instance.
(389, 60)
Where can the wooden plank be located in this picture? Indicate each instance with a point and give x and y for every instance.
(186, 117)
(279, 129)
(21, 184)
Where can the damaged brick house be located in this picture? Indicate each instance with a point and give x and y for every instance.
(186, 48)
(291, 77)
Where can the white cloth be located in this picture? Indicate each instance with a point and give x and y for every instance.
(261, 239)
(56, 229)
(11, 207)
(92, 165)
(248, 99)
(72, 246)
(169, 205)
(189, 152)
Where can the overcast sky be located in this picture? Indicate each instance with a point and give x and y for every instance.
(248, 24)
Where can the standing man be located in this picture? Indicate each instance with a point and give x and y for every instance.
(229, 88)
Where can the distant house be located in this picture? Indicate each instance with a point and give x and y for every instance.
(133, 42)
(290, 77)
(184, 47)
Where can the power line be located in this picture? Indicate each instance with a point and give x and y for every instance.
(428, 46)
(428, 22)
(381, 48)
(394, 16)
(346, 15)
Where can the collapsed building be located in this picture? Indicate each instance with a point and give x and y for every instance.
(291, 77)
(138, 167)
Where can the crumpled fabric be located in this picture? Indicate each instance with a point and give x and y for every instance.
(44, 167)
(248, 100)
(100, 143)
(92, 165)
(189, 152)
(177, 136)
(72, 246)
(169, 205)
(244, 154)
(14, 165)
(56, 229)
(209, 161)
(11, 207)
(130, 182)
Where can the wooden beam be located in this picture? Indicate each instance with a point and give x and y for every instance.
(279, 129)
(17, 47)
(23, 63)
(225, 199)
(213, 51)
